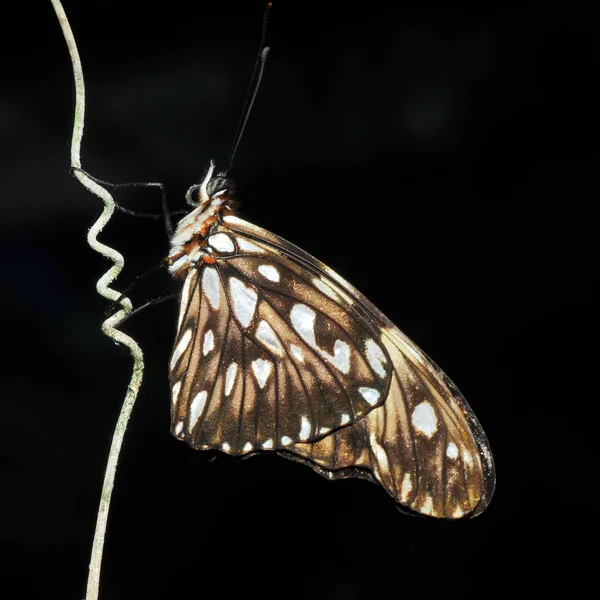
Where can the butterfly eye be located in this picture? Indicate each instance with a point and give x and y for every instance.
(218, 185)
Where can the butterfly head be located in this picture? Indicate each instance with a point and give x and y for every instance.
(217, 189)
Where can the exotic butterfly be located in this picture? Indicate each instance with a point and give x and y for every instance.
(276, 352)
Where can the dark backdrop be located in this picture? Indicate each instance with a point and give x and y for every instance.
(441, 159)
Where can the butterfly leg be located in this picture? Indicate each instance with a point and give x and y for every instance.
(168, 225)
(113, 306)
(148, 304)
(166, 214)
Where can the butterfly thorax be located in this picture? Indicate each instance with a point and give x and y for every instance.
(189, 247)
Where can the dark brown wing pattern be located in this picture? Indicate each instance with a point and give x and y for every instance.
(264, 359)
(419, 445)
(277, 352)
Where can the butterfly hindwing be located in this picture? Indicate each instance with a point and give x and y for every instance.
(418, 446)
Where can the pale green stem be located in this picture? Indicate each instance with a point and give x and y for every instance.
(109, 327)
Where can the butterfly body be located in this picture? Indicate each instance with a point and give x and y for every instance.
(276, 352)
(188, 244)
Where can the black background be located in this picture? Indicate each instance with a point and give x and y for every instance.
(443, 160)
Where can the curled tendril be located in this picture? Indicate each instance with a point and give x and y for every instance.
(110, 325)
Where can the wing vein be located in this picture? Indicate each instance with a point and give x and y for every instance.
(384, 446)
(265, 350)
(306, 394)
(217, 371)
(366, 312)
(242, 402)
(266, 287)
(327, 367)
(312, 350)
(410, 430)
(195, 326)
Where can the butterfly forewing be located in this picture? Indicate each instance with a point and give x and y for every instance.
(265, 358)
(275, 351)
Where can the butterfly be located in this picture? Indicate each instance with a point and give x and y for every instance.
(275, 352)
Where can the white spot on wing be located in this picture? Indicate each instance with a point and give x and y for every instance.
(324, 430)
(452, 451)
(226, 447)
(262, 369)
(179, 428)
(230, 377)
(221, 242)
(297, 353)
(458, 512)
(247, 246)
(345, 419)
(305, 428)
(247, 447)
(211, 286)
(285, 440)
(268, 444)
(209, 342)
(371, 395)
(406, 488)
(376, 357)
(244, 301)
(427, 506)
(175, 392)
(266, 335)
(341, 282)
(467, 458)
(341, 356)
(380, 454)
(303, 321)
(269, 271)
(424, 419)
(181, 347)
(197, 408)
(325, 288)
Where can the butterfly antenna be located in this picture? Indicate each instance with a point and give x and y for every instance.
(257, 73)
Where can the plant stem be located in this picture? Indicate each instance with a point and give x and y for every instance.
(110, 325)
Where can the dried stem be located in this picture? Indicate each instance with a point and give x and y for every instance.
(109, 327)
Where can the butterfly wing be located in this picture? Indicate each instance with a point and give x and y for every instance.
(423, 445)
(343, 390)
(267, 355)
